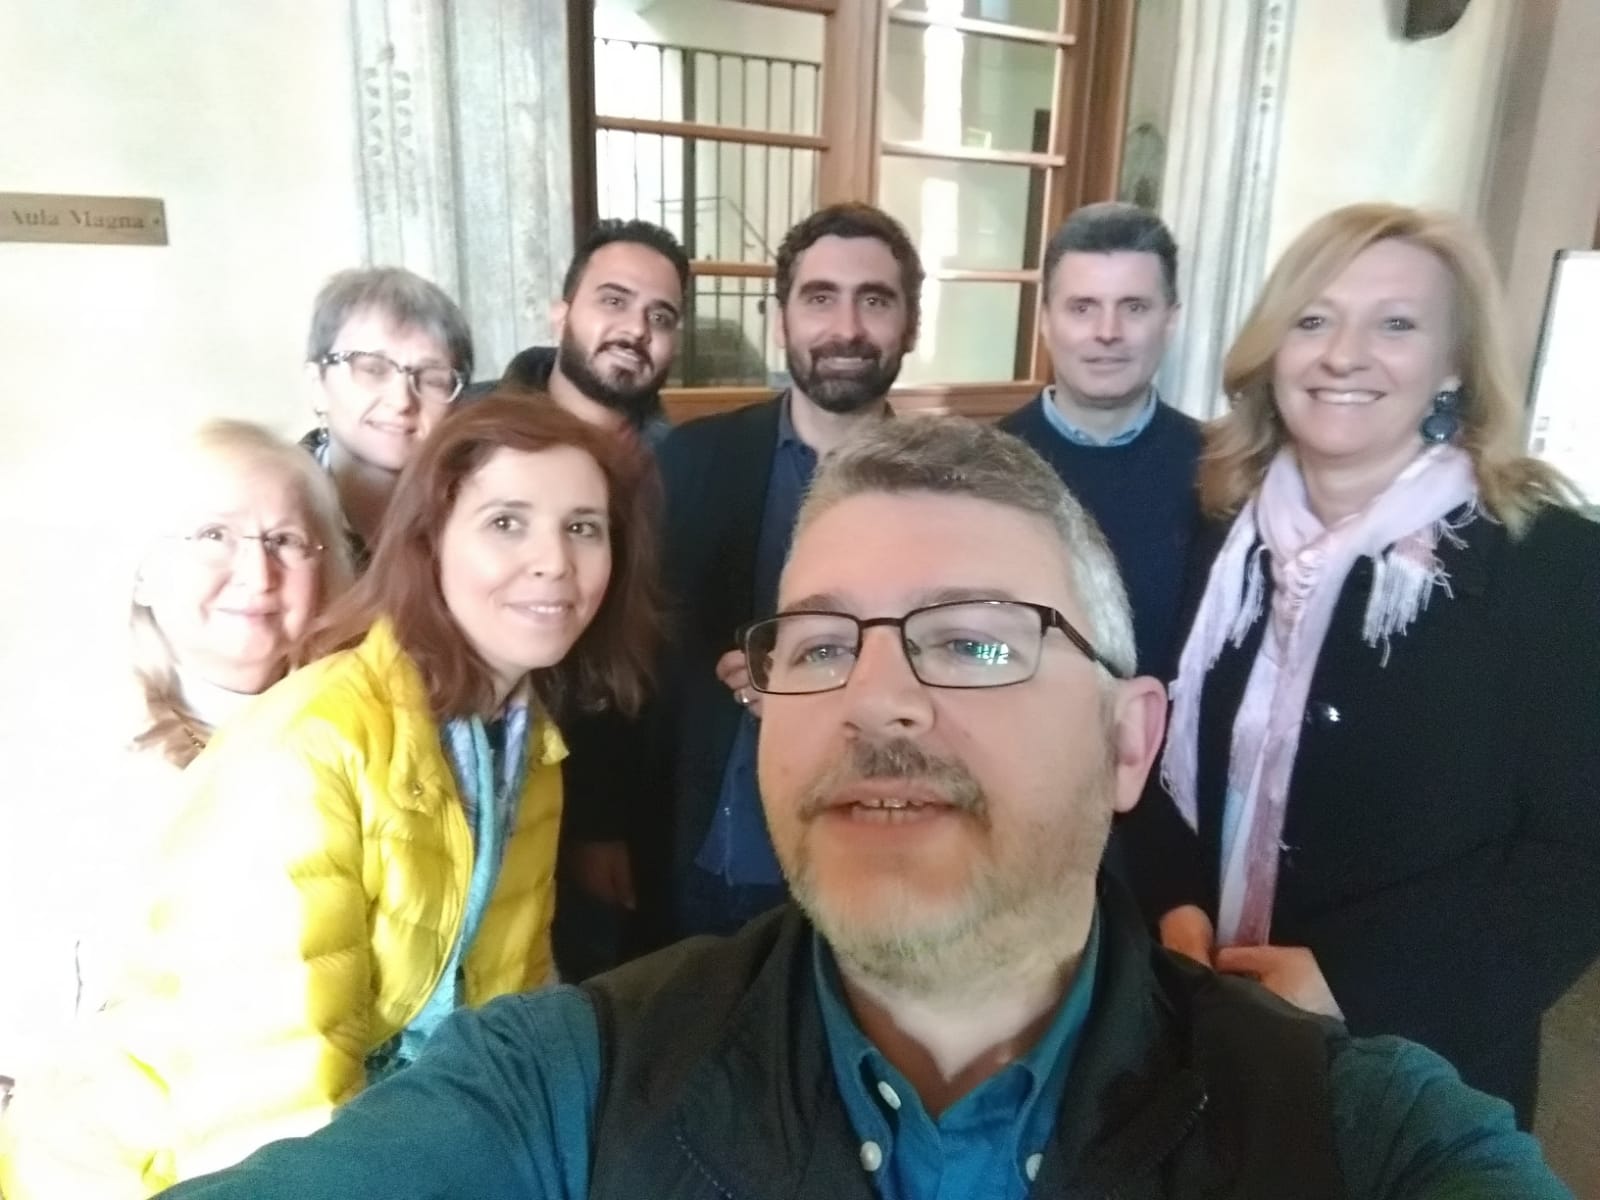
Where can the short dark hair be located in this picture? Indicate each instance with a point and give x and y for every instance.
(640, 233)
(1112, 227)
(855, 220)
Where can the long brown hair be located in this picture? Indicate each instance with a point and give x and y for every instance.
(1241, 444)
(610, 663)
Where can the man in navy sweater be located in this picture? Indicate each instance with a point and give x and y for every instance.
(1110, 306)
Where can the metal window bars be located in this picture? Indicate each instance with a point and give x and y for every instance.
(728, 201)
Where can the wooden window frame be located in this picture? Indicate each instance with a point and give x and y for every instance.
(1081, 162)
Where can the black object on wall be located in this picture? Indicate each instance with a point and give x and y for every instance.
(1429, 18)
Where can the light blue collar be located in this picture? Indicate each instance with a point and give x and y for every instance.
(1053, 417)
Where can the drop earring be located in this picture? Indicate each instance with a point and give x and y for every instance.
(1444, 422)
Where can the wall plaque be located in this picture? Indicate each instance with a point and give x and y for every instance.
(114, 220)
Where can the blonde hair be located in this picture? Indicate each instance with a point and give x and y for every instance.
(171, 728)
(1241, 444)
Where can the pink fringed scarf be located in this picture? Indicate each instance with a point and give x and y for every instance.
(1399, 530)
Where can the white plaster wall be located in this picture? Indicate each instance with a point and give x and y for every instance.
(1370, 116)
(239, 116)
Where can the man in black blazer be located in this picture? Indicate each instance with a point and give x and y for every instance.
(848, 288)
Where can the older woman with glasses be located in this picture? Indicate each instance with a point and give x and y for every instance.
(238, 550)
(388, 355)
(1383, 760)
(373, 844)
(243, 552)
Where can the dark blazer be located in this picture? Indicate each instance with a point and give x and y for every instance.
(1442, 842)
(714, 471)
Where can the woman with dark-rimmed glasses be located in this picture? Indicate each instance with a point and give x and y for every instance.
(388, 355)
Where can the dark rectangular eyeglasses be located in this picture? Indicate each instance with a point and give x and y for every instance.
(372, 370)
(957, 644)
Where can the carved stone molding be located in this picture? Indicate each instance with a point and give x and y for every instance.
(465, 157)
(1221, 168)
(514, 159)
(402, 75)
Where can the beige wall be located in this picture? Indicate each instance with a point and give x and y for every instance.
(239, 116)
(1370, 116)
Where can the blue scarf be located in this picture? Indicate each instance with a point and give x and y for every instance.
(490, 763)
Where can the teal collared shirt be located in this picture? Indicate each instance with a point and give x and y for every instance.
(990, 1142)
(1052, 415)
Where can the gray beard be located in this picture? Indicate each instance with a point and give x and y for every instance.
(1011, 913)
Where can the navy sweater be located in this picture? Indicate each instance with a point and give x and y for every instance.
(1143, 497)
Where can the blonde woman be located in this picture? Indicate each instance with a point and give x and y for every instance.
(245, 550)
(241, 550)
(372, 844)
(248, 552)
(1384, 752)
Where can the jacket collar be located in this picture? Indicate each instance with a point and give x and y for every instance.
(424, 783)
(1129, 1102)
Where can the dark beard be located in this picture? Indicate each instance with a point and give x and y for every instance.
(635, 400)
(844, 393)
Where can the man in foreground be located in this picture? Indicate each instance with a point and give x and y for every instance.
(952, 1007)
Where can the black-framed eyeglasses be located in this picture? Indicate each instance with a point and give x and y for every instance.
(956, 644)
(373, 370)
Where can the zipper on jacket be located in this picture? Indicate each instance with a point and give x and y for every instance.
(456, 828)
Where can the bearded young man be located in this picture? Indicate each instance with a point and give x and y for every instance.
(617, 327)
(956, 1005)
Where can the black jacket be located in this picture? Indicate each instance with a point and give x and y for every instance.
(717, 1081)
(1442, 840)
(714, 472)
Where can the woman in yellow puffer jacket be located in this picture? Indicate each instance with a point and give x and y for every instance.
(373, 842)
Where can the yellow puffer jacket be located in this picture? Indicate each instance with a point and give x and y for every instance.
(307, 898)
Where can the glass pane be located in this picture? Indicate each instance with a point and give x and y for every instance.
(1031, 14)
(977, 216)
(957, 89)
(716, 62)
(1155, 66)
(723, 200)
(969, 333)
(727, 341)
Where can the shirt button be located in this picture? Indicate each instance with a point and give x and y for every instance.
(890, 1096)
(1323, 713)
(871, 1155)
(1031, 1167)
